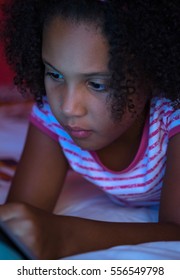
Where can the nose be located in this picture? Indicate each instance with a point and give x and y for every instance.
(73, 103)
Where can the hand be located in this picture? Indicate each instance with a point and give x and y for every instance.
(35, 227)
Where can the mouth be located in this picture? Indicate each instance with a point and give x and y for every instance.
(78, 132)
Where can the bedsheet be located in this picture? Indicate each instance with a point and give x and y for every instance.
(13, 129)
(79, 197)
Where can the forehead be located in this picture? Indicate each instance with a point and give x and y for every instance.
(79, 43)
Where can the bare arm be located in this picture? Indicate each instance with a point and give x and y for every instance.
(72, 235)
(40, 173)
(95, 235)
(170, 200)
(168, 227)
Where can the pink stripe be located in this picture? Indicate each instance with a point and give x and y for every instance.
(46, 112)
(175, 118)
(159, 106)
(58, 126)
(141, 195)
(67, 140)
(164, 114)
(174, 131)
(125, 186)
(116, 179)
(138, 203)
(157, 143)
(155, 132)
(156, 188)
(127, 178)
(154, 122)
(150, 158)
(85, 167)
(52, 125)
(70, 141)
(153, 168)
(161, 112)
(62, 137)
(145, 193)
(76, 154)
(148, 193)
(145, 165)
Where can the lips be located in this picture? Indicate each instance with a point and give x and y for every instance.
(78, 132)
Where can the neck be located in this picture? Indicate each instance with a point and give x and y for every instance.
(120, 153)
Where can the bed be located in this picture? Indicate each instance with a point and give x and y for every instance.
(79, 197)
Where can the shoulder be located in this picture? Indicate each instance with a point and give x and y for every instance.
(44, 120)
(164, 105)
(165, 114)
(44, 113)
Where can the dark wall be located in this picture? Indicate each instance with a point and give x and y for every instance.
(5, 72)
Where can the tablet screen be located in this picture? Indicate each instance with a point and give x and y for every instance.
(11, 248)
(7, 249)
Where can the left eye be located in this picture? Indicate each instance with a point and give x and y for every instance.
(97, 86)
(55, 76)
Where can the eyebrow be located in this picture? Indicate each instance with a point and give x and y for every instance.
(104, 74)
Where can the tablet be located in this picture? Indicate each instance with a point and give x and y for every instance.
(11, 247)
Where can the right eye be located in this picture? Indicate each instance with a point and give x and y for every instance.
(55, 76)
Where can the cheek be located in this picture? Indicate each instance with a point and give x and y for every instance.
(52, 94)
(53, 101)
(101, 108)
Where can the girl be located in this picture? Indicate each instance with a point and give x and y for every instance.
(106, 79)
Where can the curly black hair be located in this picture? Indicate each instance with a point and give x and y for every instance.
(143, 37)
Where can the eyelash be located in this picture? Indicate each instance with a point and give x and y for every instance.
(55, 76)
(91, 84)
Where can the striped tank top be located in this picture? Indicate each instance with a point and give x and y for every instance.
(141, 182)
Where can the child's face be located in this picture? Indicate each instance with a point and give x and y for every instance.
(76, 82)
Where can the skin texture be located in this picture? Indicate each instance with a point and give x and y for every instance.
(73, 97)
(77, 51)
